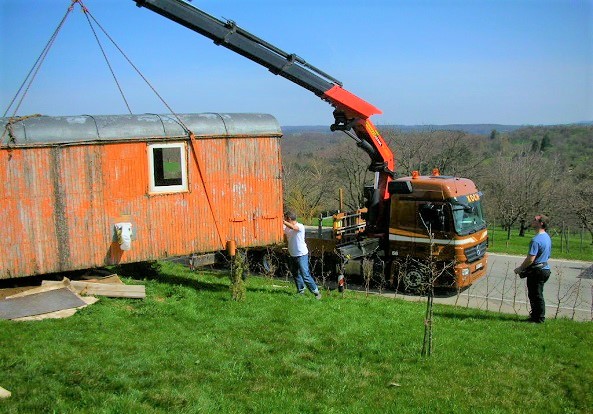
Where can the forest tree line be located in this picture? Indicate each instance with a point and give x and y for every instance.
(530, 170)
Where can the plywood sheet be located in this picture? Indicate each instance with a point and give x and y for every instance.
(65, 313)
(38, 303)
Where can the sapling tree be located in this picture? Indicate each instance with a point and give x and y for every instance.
(239, 265)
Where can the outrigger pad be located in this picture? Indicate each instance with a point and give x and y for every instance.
(356, 250)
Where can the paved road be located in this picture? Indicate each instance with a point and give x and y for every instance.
(568, 293)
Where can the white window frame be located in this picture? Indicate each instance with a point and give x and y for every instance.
(152, 187)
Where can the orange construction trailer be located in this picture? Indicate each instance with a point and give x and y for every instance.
(85, 191)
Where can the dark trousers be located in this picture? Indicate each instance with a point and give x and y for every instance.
(535, 291)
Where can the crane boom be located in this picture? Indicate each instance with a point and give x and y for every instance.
(351, 112)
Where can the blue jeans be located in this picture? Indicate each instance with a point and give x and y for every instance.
(299, 267)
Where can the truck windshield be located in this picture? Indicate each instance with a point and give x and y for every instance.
(468, 216)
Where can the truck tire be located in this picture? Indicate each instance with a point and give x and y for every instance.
(414, 279)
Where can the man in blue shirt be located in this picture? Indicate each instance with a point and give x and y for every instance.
(536, 268)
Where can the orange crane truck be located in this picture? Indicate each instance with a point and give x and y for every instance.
(417, 227)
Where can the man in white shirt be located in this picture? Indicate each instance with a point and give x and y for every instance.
(299, 255)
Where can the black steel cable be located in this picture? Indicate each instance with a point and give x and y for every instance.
(140, 73)
(36, 66)
(87, 13)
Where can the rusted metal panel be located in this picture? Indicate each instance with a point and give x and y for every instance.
(60, 202)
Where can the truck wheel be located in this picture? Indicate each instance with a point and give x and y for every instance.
(414, 279)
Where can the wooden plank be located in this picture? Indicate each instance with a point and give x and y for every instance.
(105, 280)
(38, 303)
(113, 290)
(4, 393)
(38, 289)
(6, 292)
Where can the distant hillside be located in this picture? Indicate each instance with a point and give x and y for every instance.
(574, 141)
(317, 139)
(477, 129)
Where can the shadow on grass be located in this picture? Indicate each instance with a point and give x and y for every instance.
(155, 272)
(477, 315)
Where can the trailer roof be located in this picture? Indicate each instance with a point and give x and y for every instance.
(51, 130)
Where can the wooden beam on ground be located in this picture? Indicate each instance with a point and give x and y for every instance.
(113, 290)
(39, 289)
(106, 279)
(4, 393)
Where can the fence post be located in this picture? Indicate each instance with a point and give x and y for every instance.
(562, 238)
(320, 226)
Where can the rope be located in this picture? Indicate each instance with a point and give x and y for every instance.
(37, 65)
(190, 134)
(192, 140)
(86, 14)
(44, 53)
(139, 73)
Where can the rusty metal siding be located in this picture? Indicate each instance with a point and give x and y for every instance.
(59, 204)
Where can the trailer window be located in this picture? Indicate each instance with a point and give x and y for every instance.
(167, 168)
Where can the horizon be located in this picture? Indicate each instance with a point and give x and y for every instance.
(434, 62)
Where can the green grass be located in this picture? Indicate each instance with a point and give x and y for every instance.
(188, 348)
(498, 243)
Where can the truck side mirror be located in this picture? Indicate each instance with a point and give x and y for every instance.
(399, 187)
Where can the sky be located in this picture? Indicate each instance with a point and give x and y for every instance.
(422, 62)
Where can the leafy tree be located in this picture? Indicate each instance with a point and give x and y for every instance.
(534, 146)
(493, 135)
(545, 143)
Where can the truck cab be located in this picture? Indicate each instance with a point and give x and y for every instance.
(436, 221)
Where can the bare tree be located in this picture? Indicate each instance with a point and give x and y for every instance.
(518, 186)
(353, 175)
(452, 152)
(305, 187)
(583, 204)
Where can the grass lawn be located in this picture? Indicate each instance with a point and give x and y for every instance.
(580, 246)
(577, 249)
(188, 348)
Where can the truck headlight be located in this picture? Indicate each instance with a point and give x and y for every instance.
(465, 272)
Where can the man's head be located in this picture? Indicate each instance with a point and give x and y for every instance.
(290, 215)
(540, 221)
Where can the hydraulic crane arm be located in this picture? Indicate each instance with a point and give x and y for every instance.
(351, 112)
